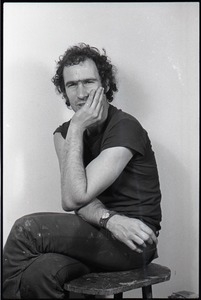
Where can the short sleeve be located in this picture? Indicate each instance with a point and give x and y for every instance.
(126, 133)
(62, 129)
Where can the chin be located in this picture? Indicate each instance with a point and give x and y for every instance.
(77, 108)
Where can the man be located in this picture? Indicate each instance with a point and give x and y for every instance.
(108, 177)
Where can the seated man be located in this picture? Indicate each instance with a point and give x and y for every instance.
(109, 178)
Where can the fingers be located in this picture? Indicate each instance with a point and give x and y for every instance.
(132, 232)
(95, 98)
(137, 244)
(148, 234)
(144, 238)
(90, 98)
(97, 101)
(139, 241)
(128, 243)
(134, 242)
(143, 235)
(132, 246)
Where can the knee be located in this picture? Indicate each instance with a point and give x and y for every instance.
(25, 223)
(23, 228)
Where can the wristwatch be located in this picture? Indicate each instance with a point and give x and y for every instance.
(105, 217)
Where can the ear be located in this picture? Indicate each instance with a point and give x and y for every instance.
(107, 87)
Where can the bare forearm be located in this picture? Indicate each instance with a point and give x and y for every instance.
(92, 212)
(132, 232)
(73, 176)
(74, 181)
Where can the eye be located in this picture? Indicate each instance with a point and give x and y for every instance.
(71, 84)
(89, 82)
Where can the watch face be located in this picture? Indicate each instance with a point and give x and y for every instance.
(106, 215)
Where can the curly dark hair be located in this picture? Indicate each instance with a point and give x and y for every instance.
(79, 53)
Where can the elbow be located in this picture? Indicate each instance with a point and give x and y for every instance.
(73, 200)
(67, 205)
(70, 204)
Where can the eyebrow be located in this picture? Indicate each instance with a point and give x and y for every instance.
(84, 80)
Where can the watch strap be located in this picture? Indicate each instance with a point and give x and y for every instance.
(103, 221)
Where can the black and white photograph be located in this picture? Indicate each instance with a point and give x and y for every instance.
(100, 150)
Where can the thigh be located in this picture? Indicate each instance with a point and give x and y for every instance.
(45, 277)
(70, 235)
(65, 234)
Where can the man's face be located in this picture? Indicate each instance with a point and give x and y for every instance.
(79, 80)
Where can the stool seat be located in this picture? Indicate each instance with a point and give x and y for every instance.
(112, 283)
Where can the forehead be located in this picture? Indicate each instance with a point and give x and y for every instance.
(85, 69)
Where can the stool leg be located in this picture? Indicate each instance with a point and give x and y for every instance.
(118, 296)
(147, 292)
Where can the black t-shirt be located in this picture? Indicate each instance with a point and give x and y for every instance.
(136, 192)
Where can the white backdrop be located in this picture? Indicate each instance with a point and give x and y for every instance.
(155, 48)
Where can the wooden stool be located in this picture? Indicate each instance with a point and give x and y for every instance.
(115, 283)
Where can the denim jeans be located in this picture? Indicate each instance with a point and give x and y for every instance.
(45, 250)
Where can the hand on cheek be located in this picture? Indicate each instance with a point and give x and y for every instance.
(95, 97)
(92, 113)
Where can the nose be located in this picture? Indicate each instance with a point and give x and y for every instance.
(81, 91)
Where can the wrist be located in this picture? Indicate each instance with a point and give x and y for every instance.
(106, 216)
(76, 128)
(112, 221)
